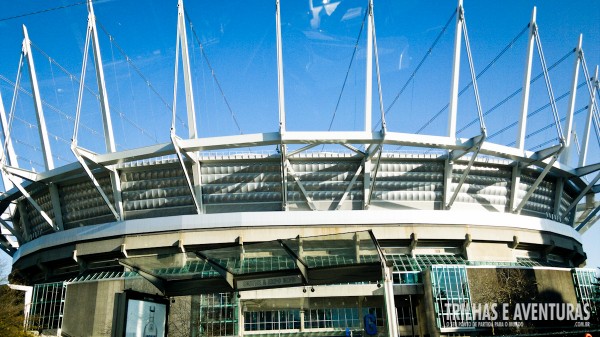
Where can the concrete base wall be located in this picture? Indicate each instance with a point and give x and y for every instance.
(89, 308)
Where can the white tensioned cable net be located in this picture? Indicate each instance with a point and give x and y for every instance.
(131, 65)
(533, 113)
(31, 125)
(513, 94)
(337, 104)
(213, 73)
(419, 65)
(590, 87)
(17, 137)
(465, 88)
(559, 131)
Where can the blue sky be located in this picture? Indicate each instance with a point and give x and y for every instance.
(238, 38)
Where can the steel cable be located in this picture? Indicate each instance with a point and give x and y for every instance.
(429, 51)
(213, 73)
(348, 70)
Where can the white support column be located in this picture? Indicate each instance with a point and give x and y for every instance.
(390, 305)
(455, 72)
(588, 122)
(369, 70)
(525, 102)
(191, 110)
(447, 192)
(240, 314)
(560, 186)
(109, 138)
(37, 100)
(280, 86)
(187, 77)
(281, 107)
(25, 224)
(55, 199)
(566, 154)
(12, 157)
(284, 178)
(366, 182)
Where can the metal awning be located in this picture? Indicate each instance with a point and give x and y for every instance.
(327, 259)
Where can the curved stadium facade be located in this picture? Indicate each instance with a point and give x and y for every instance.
(301, 241)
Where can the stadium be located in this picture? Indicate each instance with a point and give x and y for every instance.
(329, 233)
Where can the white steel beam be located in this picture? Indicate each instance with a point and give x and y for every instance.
(537, 158)
(187, 76)
(227, 275)
(25, 225)
(95, 182)
(298, 261)
(526, 82)
(33, 203)
(582, 171)
(187, 176)
(581, 195)
(6, 246)
(374, 178)
(301, 186)
(37, 100)
(589, 221)
(465, 173)
(21, 173)
(566, 154)
(447, 183)
(196, 173)
(369, 70)
(471, 144)
(367, 181)
(390, 305)
(159, 283)
(535, 185)
(514, 186)
(453, 107)
(109, 138)
(549, 89)
(55, 199)
(379, 89)
(300, 150)
(588, 122)
(280, 83)
(197, 176)
(543, 154)
(558, 193)
(284, 174)
(354, 149)
(13, 231)
(347, 191)
(12, 156)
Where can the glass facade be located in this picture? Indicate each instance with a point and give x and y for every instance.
(451, 296)
(218, 315)
(47, 306)
(272, 320)
(587, 289)
(333, 318)
(315, 319)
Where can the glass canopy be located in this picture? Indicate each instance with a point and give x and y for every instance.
(327, 259)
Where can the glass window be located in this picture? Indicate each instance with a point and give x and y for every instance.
(451, 295)
(587, 288)
(272, 320)
(217, 314)
(47, 306)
